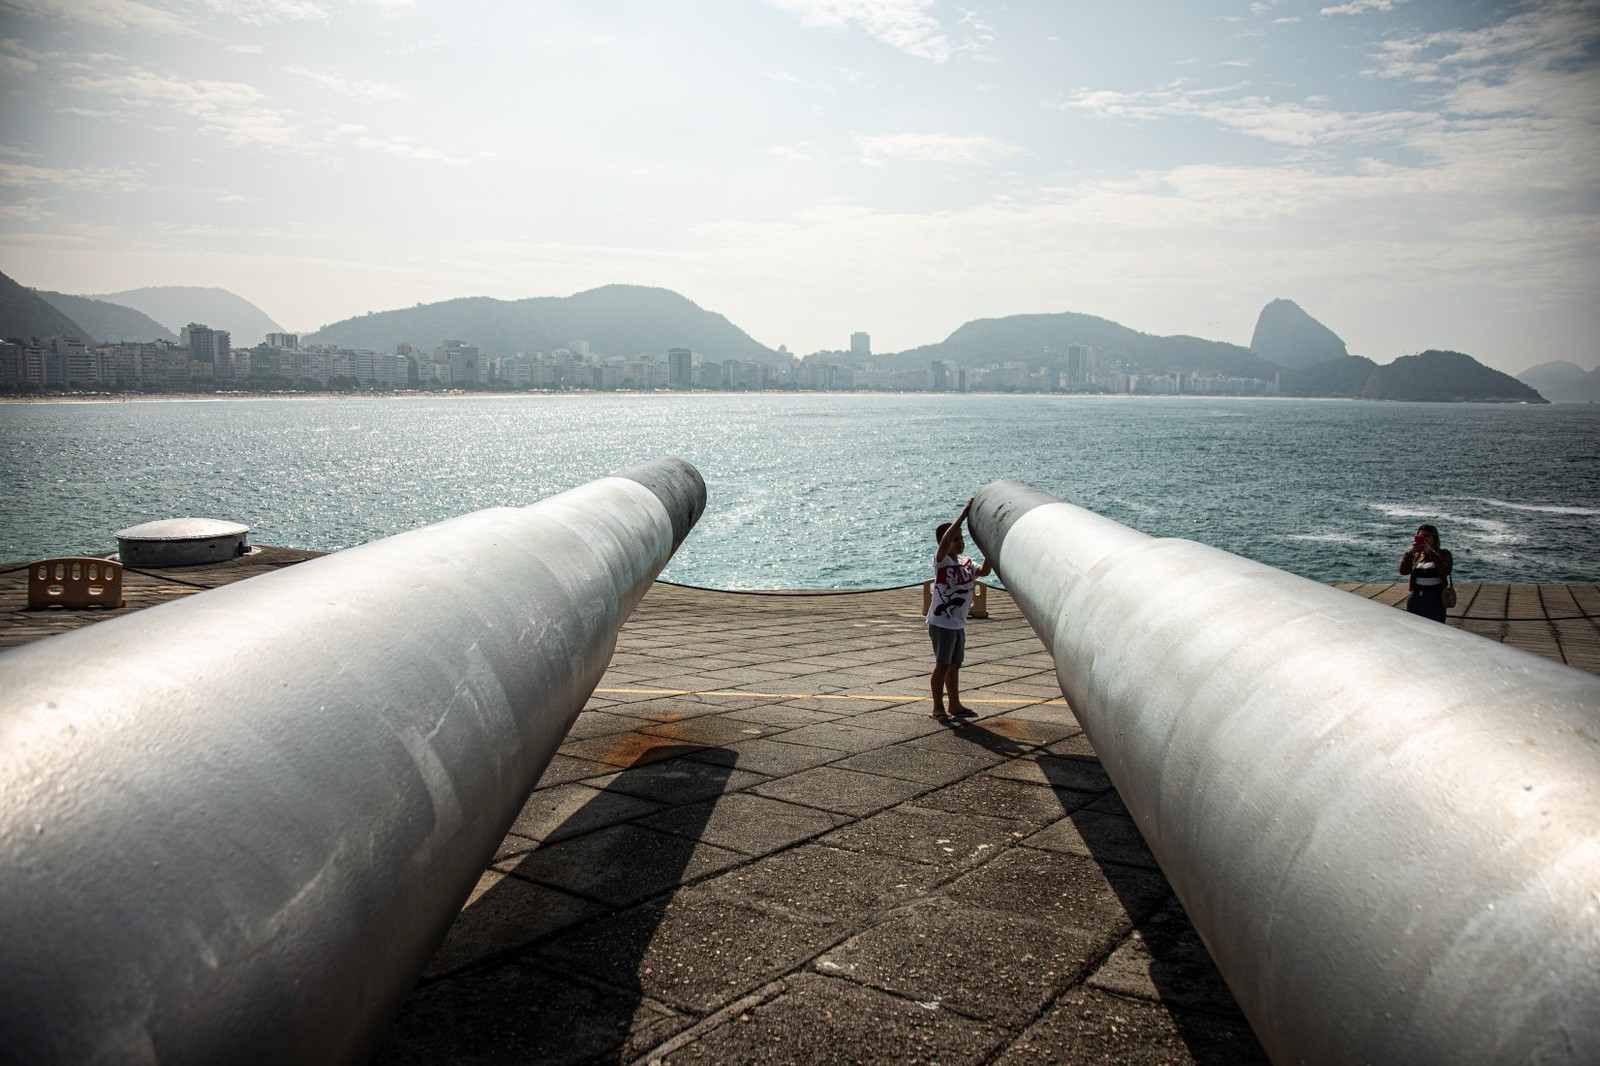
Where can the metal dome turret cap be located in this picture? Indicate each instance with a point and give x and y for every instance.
(182, 542)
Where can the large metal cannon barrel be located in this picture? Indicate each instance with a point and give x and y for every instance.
(1385, 830)
(233, 828)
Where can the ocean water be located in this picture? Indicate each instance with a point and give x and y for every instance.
(834, 491)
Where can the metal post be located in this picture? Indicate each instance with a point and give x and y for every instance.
(234, 828)
(1386, 830)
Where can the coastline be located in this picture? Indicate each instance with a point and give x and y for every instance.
(1307, 487)
(223, 397)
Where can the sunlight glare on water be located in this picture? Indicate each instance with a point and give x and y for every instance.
(833, 491)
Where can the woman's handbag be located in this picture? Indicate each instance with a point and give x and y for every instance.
(1449, 595)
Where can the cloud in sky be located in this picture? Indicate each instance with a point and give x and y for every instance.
(236, 111)
(371, 90)
(120, 15)
(1286, 123)
(1362, 7)
(883, 149)
(267, 12)
(1417, 174)
(907, 25)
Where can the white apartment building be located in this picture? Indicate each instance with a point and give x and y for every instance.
(22, 365)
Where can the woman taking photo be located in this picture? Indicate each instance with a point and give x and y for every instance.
(1429, 568)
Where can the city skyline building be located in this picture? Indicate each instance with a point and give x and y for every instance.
(680, 368)
(67, 364)
(210, 351)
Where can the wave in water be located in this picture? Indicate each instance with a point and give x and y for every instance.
(1541, 508)
(830, 492)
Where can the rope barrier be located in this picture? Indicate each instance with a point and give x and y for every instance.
(804, 593)
(1539, 618)
(167, 577)
(790, 593)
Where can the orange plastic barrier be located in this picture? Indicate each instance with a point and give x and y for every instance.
(75, 582)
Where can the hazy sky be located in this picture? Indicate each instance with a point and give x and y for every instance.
(1414, 173)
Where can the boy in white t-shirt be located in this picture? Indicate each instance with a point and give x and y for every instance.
(951, 597)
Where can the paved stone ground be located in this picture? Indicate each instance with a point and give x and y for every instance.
(757, 846)
(1560, 622)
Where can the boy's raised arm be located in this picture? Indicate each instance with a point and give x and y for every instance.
(953, 532)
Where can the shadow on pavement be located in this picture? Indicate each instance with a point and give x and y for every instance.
(1166, 948)
(543, 966)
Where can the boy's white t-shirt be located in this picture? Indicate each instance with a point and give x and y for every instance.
(953, 578)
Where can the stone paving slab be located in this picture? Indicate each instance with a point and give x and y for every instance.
(914, 764)
(696, 951)
(680, 780)
(853, 881)
(1560, 622)
(620, 864)
(1075, 891)
(1076, 773)
(931, 837)
(1089, 1027)
(822, 880)
(1000, 968)
(832, 788)
(572, 809)
(819, 1020)
(999, 797)
(503, 914)
(777, 758)
(521, 1012)
(758, 846)
(1164, 962)
(744, 822)
(1103, 837)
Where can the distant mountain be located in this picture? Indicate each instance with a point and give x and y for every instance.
(108, 321)
(175, 306)
(615, 320)
(1345, 377)
(1044, 338)
(1291, 338)
(1563, 382)
(625, 320)
(1446, 376)
(25, 314)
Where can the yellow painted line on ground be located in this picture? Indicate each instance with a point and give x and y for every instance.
(885, 698)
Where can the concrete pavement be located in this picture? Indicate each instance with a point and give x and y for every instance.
(756, 845)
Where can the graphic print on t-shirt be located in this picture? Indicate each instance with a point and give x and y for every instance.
(952, 592)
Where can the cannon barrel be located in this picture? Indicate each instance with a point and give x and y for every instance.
(234, 828)
(1385, 830)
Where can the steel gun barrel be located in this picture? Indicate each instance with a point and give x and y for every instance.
(235, 827)
(1386, 830)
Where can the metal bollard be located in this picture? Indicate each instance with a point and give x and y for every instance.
(1386, 831)
(235, 827)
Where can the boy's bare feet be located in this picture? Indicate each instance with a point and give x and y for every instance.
(963, 711)
(938, 710)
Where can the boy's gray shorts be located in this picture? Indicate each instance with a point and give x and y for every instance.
(949, 645)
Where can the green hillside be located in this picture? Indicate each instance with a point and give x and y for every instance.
(25, 314)
(1447, 377)
(112, 322)
(616, 320)
(1343, 377)
(1043, 338)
